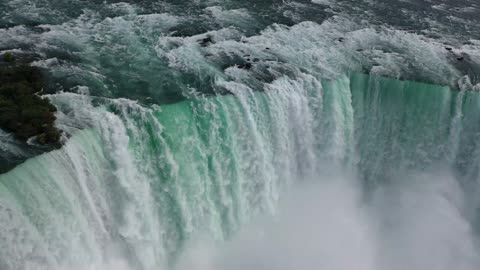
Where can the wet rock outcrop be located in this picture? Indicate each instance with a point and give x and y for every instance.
(23, 111)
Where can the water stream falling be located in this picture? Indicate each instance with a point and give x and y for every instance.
(182, 157)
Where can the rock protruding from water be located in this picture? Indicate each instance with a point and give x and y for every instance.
(246, 66)
(205, 41)
(22, 111)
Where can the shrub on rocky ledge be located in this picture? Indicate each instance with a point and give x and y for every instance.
(22, 111)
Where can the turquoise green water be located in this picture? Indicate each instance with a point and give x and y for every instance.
(141, 183)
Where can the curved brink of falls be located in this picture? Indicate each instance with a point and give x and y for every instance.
(133, 190)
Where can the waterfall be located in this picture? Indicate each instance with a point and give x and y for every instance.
(136, 185)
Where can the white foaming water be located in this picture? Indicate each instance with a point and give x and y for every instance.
(236, 17)
(423, 223)
(326, 49)
(320, 225)
(10, 146)
(328, 224)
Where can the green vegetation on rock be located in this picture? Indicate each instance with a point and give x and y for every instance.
(22, 111)
(8, 57)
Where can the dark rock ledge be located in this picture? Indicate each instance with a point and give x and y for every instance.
(23, 112)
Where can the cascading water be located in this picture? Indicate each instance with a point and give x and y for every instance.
(135, 187)
(182, 157)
